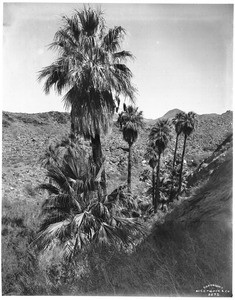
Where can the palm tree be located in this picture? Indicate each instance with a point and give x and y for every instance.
(151, 155)
(130, 120)
(73, 217)
(178, 122)
(188, 125)
(91, 71)
(159, 136)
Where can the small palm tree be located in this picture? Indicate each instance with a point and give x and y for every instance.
(91, 73)
(152, 156)
(159, 136)
(130, 120)
(188, 125)
(73, 217)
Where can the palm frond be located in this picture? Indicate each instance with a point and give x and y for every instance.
(54, 232)
(90, 20)
(49, 187)
(123, 55)
(62, 201)
(112, 39)
(56, 174)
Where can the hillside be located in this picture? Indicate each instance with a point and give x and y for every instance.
(25, 137)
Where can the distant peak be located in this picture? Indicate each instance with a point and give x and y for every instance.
(171, 113)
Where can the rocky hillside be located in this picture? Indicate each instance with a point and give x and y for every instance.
(26, 136)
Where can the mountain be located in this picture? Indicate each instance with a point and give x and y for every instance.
(171, 113)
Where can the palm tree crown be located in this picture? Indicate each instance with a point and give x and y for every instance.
(151, 155)
(188, 123)
(160, 134)
(131, 121)
(90, 69)
(178, 122)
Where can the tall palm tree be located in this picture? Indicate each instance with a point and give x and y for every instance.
(71, 218)
(152, 157)
(159, 136)
(188, 125)
(178, 122)
(91, 71)
(130, 120)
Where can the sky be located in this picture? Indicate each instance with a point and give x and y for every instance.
(183, 54)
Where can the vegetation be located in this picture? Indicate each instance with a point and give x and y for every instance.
(73, 214)
(70, 235)
(116, 267)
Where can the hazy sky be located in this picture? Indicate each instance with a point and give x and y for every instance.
(183, 54)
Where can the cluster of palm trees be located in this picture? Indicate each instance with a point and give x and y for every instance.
(159, 138)
(91, 73)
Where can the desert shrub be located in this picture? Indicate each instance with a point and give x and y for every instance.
(30, 190)
(145, 175)
(6, 123)
(208, 148)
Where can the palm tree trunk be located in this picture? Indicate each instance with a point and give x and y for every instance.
(98, 160)
(176, 146)
(153, 185)
(157, 197)
(72, 125)
(172, 184)
(182, 163)
(129, 169)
